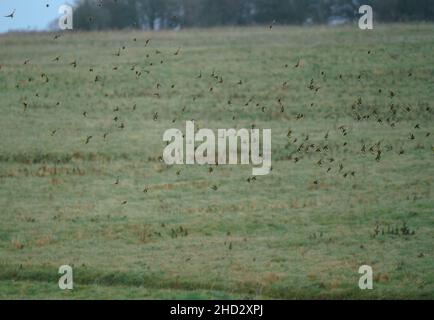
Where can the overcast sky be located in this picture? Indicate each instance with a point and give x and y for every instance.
(29, 14)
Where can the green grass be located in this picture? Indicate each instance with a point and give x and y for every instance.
(281, 236)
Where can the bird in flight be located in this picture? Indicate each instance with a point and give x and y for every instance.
(11, 15)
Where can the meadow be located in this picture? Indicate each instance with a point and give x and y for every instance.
(82, 182)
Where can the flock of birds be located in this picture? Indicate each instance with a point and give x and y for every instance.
(299, 147)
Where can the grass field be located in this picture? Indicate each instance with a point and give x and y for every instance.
(351, 184)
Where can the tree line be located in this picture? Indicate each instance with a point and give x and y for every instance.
(153, 14)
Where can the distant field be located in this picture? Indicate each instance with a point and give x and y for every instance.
(352, 161)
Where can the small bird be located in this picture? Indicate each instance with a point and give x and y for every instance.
(250, 179)
(11, 15)
(289, 133)
(378, 157)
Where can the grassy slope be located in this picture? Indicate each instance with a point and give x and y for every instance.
(281, 236)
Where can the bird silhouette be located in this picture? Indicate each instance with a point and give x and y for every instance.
(11, 15)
